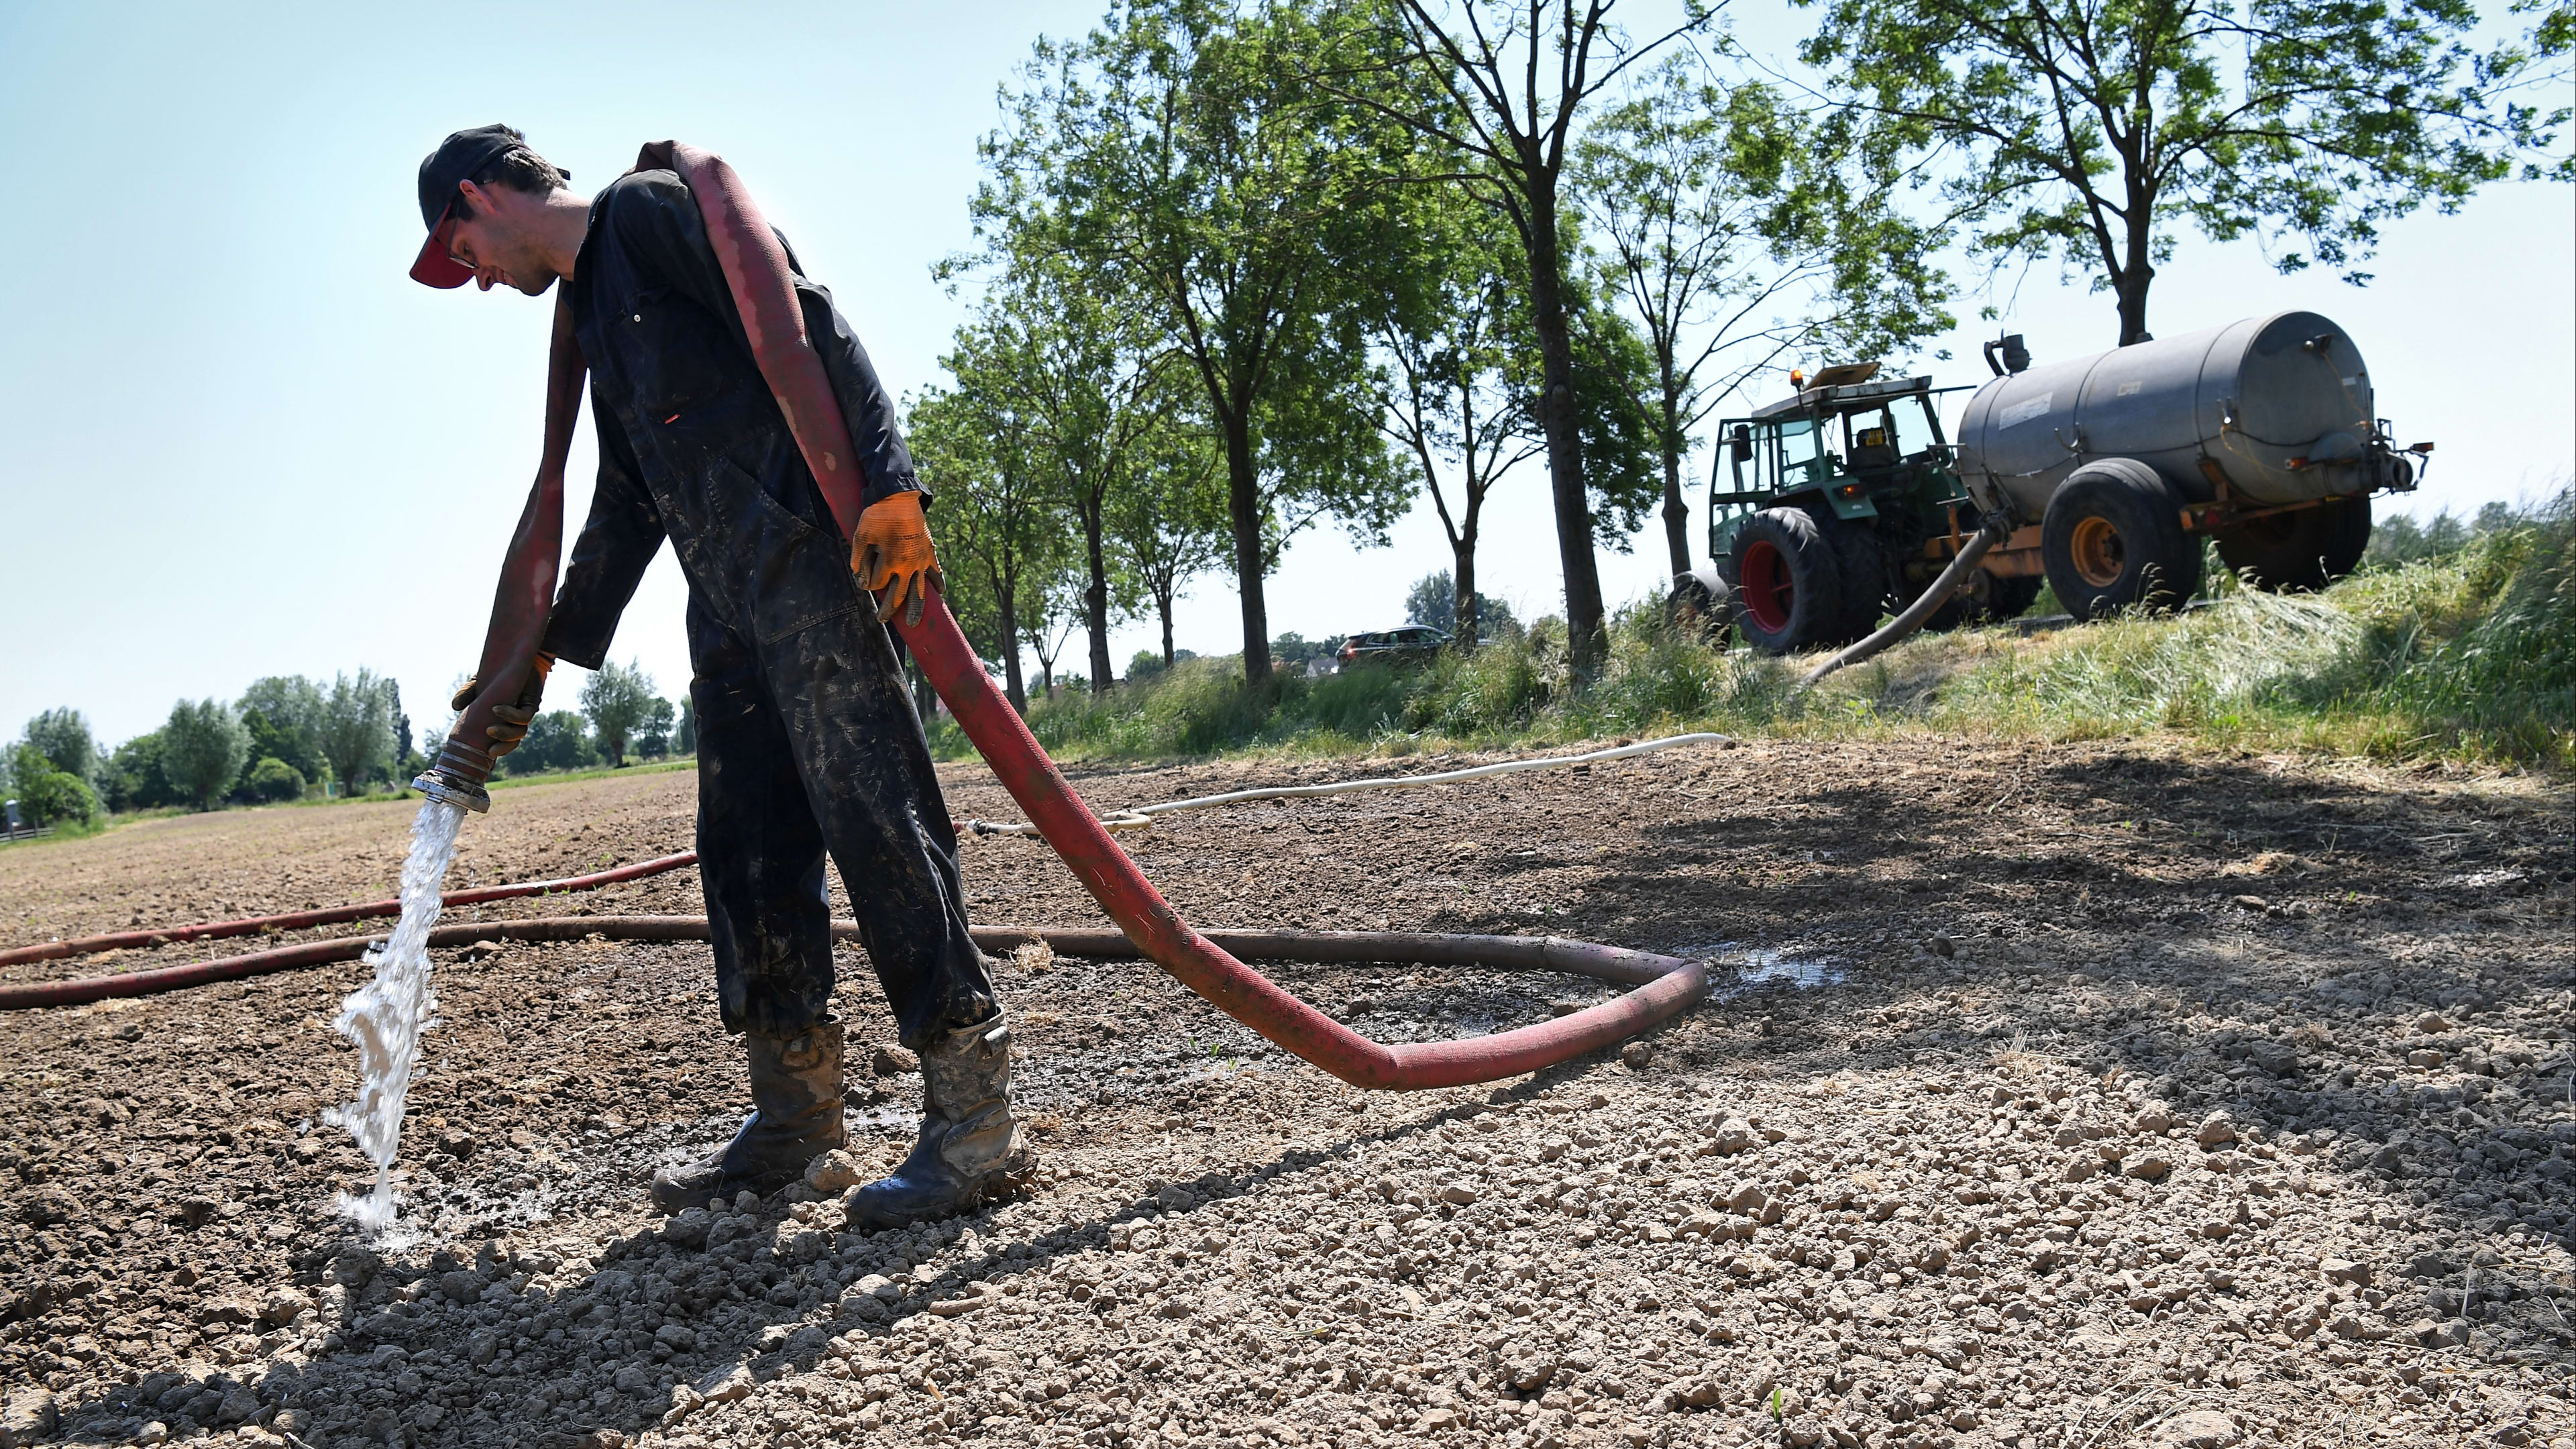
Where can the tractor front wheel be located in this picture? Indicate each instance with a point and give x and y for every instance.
(1788, 590)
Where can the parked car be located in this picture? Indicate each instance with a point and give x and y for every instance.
(1412, 644)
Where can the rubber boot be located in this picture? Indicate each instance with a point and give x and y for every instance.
(795, 1118)
(969, 1148)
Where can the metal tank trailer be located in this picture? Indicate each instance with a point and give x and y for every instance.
(2108, 471)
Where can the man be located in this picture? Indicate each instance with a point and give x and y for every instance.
(808, 745)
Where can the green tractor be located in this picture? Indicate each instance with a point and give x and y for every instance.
(1837, 504)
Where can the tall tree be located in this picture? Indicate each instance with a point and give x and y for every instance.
(2084, 130)
(1097, 386)
(62, 736)
(1450, 397)
(1169, 524)
(999, 520)
(1502, 83)
(1183, 160)
(356, 729)
(618, 698)
(1736, 232)
(202, 749)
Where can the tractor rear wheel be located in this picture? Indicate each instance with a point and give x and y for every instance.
(2301, 551)
(1788, 591)
(2112, 539)
(1862, 567)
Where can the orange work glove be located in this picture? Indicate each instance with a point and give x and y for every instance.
(514, 718)
(892, 554)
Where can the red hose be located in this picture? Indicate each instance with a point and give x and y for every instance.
(1157, 930)
(333, 915)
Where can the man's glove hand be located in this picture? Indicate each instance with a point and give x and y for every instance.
(511, 729)
(892, 554)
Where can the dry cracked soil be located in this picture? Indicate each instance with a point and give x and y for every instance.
(2069, 1097)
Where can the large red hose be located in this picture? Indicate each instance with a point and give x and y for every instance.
(334, 915)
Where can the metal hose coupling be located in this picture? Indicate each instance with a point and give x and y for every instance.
(457, 777)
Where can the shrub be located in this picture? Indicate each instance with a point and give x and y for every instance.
(556, 741)
(274, 779)
(49, 796)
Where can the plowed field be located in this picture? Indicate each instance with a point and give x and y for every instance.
(2071, 1097)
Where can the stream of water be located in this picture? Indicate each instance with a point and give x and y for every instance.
(387, 1016)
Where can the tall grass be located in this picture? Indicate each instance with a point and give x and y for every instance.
(2469, 655)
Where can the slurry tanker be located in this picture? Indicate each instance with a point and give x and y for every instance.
(2100, 474)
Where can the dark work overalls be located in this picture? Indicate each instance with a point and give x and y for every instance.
(807, 740)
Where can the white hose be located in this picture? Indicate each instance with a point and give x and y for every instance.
(1143, 815)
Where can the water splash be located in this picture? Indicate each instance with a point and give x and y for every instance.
(387, 1016)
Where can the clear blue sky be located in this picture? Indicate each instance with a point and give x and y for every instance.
(241, 442)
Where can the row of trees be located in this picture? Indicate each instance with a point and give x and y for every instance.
(288, 736)
(1242, 270)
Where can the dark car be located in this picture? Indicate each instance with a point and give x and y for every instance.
(1412, 644)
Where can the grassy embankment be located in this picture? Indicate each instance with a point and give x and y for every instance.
(2469, 657)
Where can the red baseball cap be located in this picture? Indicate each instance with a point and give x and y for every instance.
(456, 161)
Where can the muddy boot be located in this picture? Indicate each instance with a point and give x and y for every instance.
(970, 1140)
(796, 1117)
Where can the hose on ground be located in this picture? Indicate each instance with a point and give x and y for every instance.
(1142, 816)
(1991, 532)
(1669, 979)
(333, 915)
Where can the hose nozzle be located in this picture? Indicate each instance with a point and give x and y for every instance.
(457, 777)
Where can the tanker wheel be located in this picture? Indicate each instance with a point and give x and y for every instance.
(2300, 551)
(2012, 597)
(2113, 539)
(1788, 594)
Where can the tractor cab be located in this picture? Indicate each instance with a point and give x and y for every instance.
(1845, 445)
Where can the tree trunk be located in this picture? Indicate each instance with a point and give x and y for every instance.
(1095, 597)
(2129, 284)
(1243, 509)
(1564, 439)
(1462, 556)
(1163, 606)
(1014, 683)
(1676, 511)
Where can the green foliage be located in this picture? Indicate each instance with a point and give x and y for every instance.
(618, 698)
(133, 780)
(2471, 655)
(62, 738)
(1295, 648)
(1433, 600)
(2083, 132)
(48, 795)
(273, 779)
(1001, 528)
(202, 749)
(1740, 234)
(557, 740)
(2399, 539)
(355, 732)
(285, 715)
(1186, 167)
(653, 732)
(684, 740)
